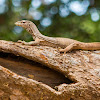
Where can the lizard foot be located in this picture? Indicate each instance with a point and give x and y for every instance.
(63, 50)
(22, 42)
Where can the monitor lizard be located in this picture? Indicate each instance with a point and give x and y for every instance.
(65, 44)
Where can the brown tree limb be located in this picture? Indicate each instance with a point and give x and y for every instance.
(82, 67)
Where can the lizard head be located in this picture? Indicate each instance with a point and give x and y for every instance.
(28, 25)
(24, 23)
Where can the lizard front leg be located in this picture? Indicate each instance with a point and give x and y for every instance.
(70, 47)
(36, 42)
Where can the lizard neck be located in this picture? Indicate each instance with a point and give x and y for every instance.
(35, 33)
(32, 29)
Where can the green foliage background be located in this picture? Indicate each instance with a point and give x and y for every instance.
(81, 28)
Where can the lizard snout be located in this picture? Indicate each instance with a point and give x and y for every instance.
(18, 24)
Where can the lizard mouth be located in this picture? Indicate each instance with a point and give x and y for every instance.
(18, 24)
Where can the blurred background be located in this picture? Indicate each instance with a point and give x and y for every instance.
(76, 19)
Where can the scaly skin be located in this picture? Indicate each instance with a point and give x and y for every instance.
(65, 43)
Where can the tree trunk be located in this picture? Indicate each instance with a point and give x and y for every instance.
(56, 76)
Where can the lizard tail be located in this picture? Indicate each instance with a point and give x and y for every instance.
(90, 46)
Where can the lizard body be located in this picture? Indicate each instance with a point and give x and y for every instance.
(65, 43)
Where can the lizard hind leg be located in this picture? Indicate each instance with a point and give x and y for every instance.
(70, 47)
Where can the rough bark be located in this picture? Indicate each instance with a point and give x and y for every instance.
(81, 67)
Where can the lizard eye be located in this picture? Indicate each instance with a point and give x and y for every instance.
(23, 22)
